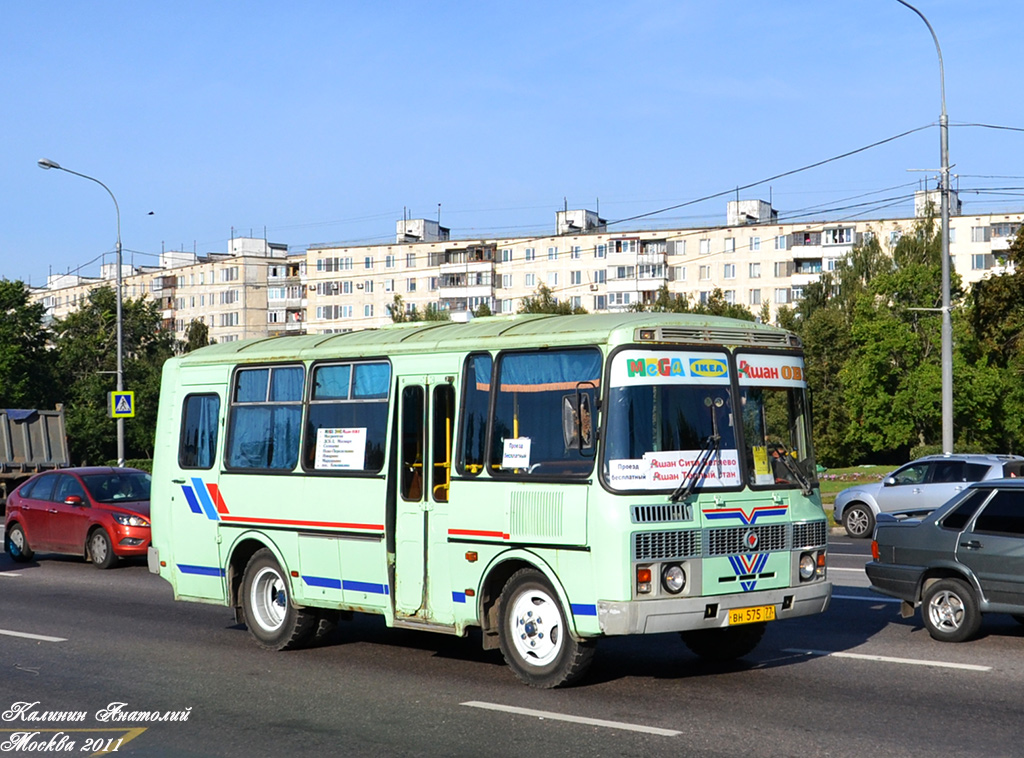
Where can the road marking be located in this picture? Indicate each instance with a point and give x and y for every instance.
(574, 719)
(887, 659)
(27, 636)
(7, 573)
(866, 598)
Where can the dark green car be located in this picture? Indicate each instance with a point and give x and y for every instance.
(963, 560)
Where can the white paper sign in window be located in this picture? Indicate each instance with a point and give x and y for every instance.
(340, 448)
(516, 453)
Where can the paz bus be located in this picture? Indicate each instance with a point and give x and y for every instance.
(546, 479)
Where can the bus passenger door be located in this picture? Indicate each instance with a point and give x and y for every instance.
(425, 427)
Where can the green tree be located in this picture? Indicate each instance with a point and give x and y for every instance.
(197, 335)
(483, 310)
(544, 301)
(26, 364)
(86, 345)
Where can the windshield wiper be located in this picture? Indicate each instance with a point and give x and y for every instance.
(794, 469)
(712, 447)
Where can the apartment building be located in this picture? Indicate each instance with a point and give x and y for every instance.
(257, 288)
(253, 290)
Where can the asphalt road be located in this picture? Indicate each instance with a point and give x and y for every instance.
(855, 681)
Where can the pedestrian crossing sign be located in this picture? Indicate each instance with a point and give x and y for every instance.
(121, 405)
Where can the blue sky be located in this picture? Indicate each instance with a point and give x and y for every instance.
(320, 122)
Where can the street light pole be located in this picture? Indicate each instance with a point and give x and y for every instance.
(48, 164)
(947, 323)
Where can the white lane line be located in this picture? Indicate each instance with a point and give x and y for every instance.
(27, 636)
(887, 659)
(866, 598)
(574, 719)
(4, 574)
(839, 568)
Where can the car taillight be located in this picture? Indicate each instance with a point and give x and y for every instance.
(874, 549)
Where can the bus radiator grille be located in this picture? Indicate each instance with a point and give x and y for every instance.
(809, 534)
(660, 546)
(733, 540)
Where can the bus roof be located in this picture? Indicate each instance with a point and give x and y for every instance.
(498, 332)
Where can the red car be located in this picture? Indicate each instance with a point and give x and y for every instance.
(95, 511)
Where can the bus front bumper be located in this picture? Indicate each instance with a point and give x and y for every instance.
(682, 614)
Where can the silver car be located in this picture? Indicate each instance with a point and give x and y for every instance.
(919, 487)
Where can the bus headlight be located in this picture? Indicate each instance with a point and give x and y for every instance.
(673, 578)
(807, 567)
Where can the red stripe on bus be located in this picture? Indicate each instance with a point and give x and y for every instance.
(287, 522)
(476, 533)
(218, 499)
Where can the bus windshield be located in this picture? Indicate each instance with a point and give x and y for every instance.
(776, 421)
(670, 419)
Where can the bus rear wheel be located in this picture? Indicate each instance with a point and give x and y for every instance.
(272, 619)
(725, 644)
(534, 634)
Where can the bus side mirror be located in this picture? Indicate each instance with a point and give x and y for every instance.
(577, 421)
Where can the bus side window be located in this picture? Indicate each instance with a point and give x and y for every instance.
(476, 399)
(197, 447)
(441, 444)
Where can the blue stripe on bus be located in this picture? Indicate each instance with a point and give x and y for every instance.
(583, 609)
(376, 589)
(205, 500)
(458, 597)
(322, 581)
(190, 496)
(200, 570)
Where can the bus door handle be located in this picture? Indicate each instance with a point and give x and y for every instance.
(177, 481)
(971, 545)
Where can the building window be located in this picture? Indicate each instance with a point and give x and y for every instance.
(729, 271)
(730, 244)
(389, 261)
(730, 296)
(981, 262)
(346, 287)
(552, 253)
(981, 234)
(705, 273)
(530, 254)
(782, 295)
(368, 310)
(600, 251)
(554, 279)
(410, 285)
(506, 281)
(754, 271)
(841, 235)
(894, 237)
(389, 285)
(506, 254)
(368, 262)
(410, 260)
(574, 252)
(229, 274)
(755, 244)
(600, 276)
(782, 242)
(705, 246)
(531, 280)
(783, 268)
(600, 303)
(755, 297)
(575, 277)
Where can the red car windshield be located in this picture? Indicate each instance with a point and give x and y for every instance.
(118, 487)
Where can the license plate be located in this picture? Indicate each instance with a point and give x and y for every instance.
(751, 615)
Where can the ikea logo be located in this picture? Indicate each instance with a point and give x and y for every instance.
(708, 367)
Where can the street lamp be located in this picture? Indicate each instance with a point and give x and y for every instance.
(947, 324)
(48, 164)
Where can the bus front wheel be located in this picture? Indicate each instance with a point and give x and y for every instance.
(534, 634)
(272, 620)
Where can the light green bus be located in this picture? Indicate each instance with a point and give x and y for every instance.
(547, 479)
